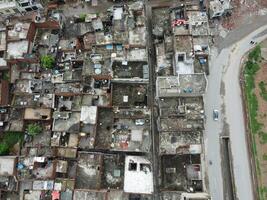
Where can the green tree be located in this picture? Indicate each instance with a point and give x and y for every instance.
(82, 17)
(8, 140)
(255, 54)
(47, 61)
(34, 129)
(4, 148)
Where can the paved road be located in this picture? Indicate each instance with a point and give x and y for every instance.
(212, 129)
(224, 94)
(234, 115)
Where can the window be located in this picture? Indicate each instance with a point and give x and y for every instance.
(24, 4)
(180, 57)
(132, 166)
(35, 8)
(135, 197)
(145, 167)
(28, 9)
(44, 116)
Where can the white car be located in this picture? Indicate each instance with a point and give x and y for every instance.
(139, 122)
(215, 115)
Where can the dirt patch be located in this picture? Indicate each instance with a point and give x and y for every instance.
(242, 10)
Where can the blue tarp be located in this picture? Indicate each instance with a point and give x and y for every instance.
(109, 46)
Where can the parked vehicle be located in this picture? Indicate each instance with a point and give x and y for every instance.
(215, 115)
(139, 122)
(3, 110)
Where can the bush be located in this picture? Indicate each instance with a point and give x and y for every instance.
(264, 156)
(263, 137)
(47, 61)
(8, 140)
(255, 54)
(251, 68)
(34, 129)
(263, 91)
(82, 17)
(6, 76)
(4, 148)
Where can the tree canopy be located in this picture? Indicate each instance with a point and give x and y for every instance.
(47, 61)
(34, 129)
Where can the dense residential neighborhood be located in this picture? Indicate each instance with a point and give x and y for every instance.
(107, 100)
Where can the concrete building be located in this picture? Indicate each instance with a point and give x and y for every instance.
(8, 7)
(8, 181)
(138, 177)
(218, 8)
(29, 5)
(182, 85)
(21, 7)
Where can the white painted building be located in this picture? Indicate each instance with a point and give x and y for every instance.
(89, 114)
(138, 176)
(20, 7)
(29, 5)
(195, 196)
(8, 7)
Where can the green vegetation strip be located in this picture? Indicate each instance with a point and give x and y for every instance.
(251, 68)
(8, 140)
(263, 91)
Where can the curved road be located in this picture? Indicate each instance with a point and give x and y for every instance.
(224, 94)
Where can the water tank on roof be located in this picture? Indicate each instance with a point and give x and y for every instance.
(18, 27)
(98, 71)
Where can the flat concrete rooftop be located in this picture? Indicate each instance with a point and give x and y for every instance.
(181, 85)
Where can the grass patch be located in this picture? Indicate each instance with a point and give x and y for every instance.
(254, 147)
(258, 167)
(251, 68)
(255, 54)
(6, 76)
(263, 91)
(82, 17)
(263, 192)
(8, 140)
(264, 157)
(255, 154)
(252, 103)
(263, 137)
(34, 129)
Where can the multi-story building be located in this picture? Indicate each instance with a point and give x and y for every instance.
(29, 5)
(20, 7)
(8, 7)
